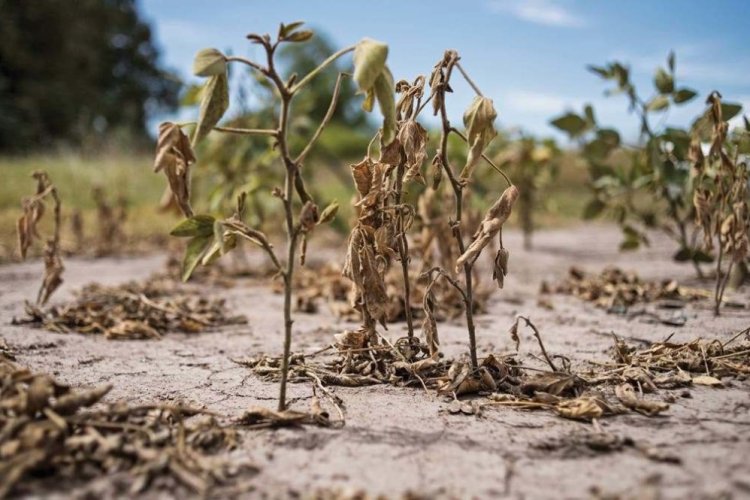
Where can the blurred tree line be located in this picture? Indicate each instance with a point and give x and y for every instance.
(75, 72)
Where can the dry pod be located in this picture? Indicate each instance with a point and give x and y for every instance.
(490, 226)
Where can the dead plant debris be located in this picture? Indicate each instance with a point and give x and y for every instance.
(617, 290)
(134, 310)
(49, 430)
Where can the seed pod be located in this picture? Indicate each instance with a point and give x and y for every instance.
(501, 267)
(491, 224)
(308, 217)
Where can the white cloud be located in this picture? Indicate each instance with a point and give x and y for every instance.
(544, 12)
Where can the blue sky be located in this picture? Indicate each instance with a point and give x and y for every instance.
(528, 55)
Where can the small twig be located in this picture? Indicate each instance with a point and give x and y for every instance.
(539, 340)
(469, 80)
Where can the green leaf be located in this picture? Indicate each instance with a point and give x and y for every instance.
(588, 110)
(663, 81)
(193, 253)
(609, 136)
(369, 62)
(299, 36)
(603, 72)
(198, 225)
(209, 62)
(384, 93)
(593, 209)
(286, 29)
(630, 243)
(571, 123)
(729, 110)
(214, 104)
(328, 213)
(658, 103)
(684, 95)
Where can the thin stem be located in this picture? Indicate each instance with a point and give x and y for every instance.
(324, 122)
(312, 74)
(403, 248)
(248, 62)
(484, 157)
(442, 272)
(469, 80)
(237, 130)
(458, 195)
(539, 340)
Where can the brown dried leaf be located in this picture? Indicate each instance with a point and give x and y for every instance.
(174, 155)
(627, 396)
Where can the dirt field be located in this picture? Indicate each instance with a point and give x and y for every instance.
(402, 440)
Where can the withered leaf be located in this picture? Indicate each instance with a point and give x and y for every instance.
(209, 62)
(413, 138)
(479, 120)
(627, 396)
(174, 155)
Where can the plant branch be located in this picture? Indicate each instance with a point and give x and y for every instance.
(469, 80)
(539, 340)
(312, 74)
(327, 118)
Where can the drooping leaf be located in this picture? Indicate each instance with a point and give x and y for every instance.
(299, 36)
(384, 93)
(479, 120)
(209, 62)
(198, 225)
(194, 252)
(369, 62)
(329, 212)
(214, 103)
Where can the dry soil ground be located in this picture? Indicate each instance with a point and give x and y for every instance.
(399, 440)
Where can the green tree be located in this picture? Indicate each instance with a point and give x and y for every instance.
(71, 72)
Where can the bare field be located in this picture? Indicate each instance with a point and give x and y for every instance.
(400, 441)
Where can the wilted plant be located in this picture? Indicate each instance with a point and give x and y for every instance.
(633, 183)
(380, 233)
(533, 165)
(33, 211)
(110, 219)
(720, 195)
(211, 237)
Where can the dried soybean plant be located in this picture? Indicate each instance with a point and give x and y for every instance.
(720, 195)
(479, 121)
(33, 211)
(211, 238)
(383, 218)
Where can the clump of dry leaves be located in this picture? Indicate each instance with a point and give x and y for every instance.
(616, 290)
(33, 211)
(720, 197)
(50, 430)
(134, 310)
(325, 284)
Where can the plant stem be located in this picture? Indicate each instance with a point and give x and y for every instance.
(403, 249)
(291, 175)
(458, 195)
(312, 74)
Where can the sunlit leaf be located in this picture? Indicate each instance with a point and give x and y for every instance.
(684, 95)
(209, 62)
(369, 62)
(214, 104)
(198, 225)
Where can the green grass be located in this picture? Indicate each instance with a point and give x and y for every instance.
(131, 176)
(75, 177)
